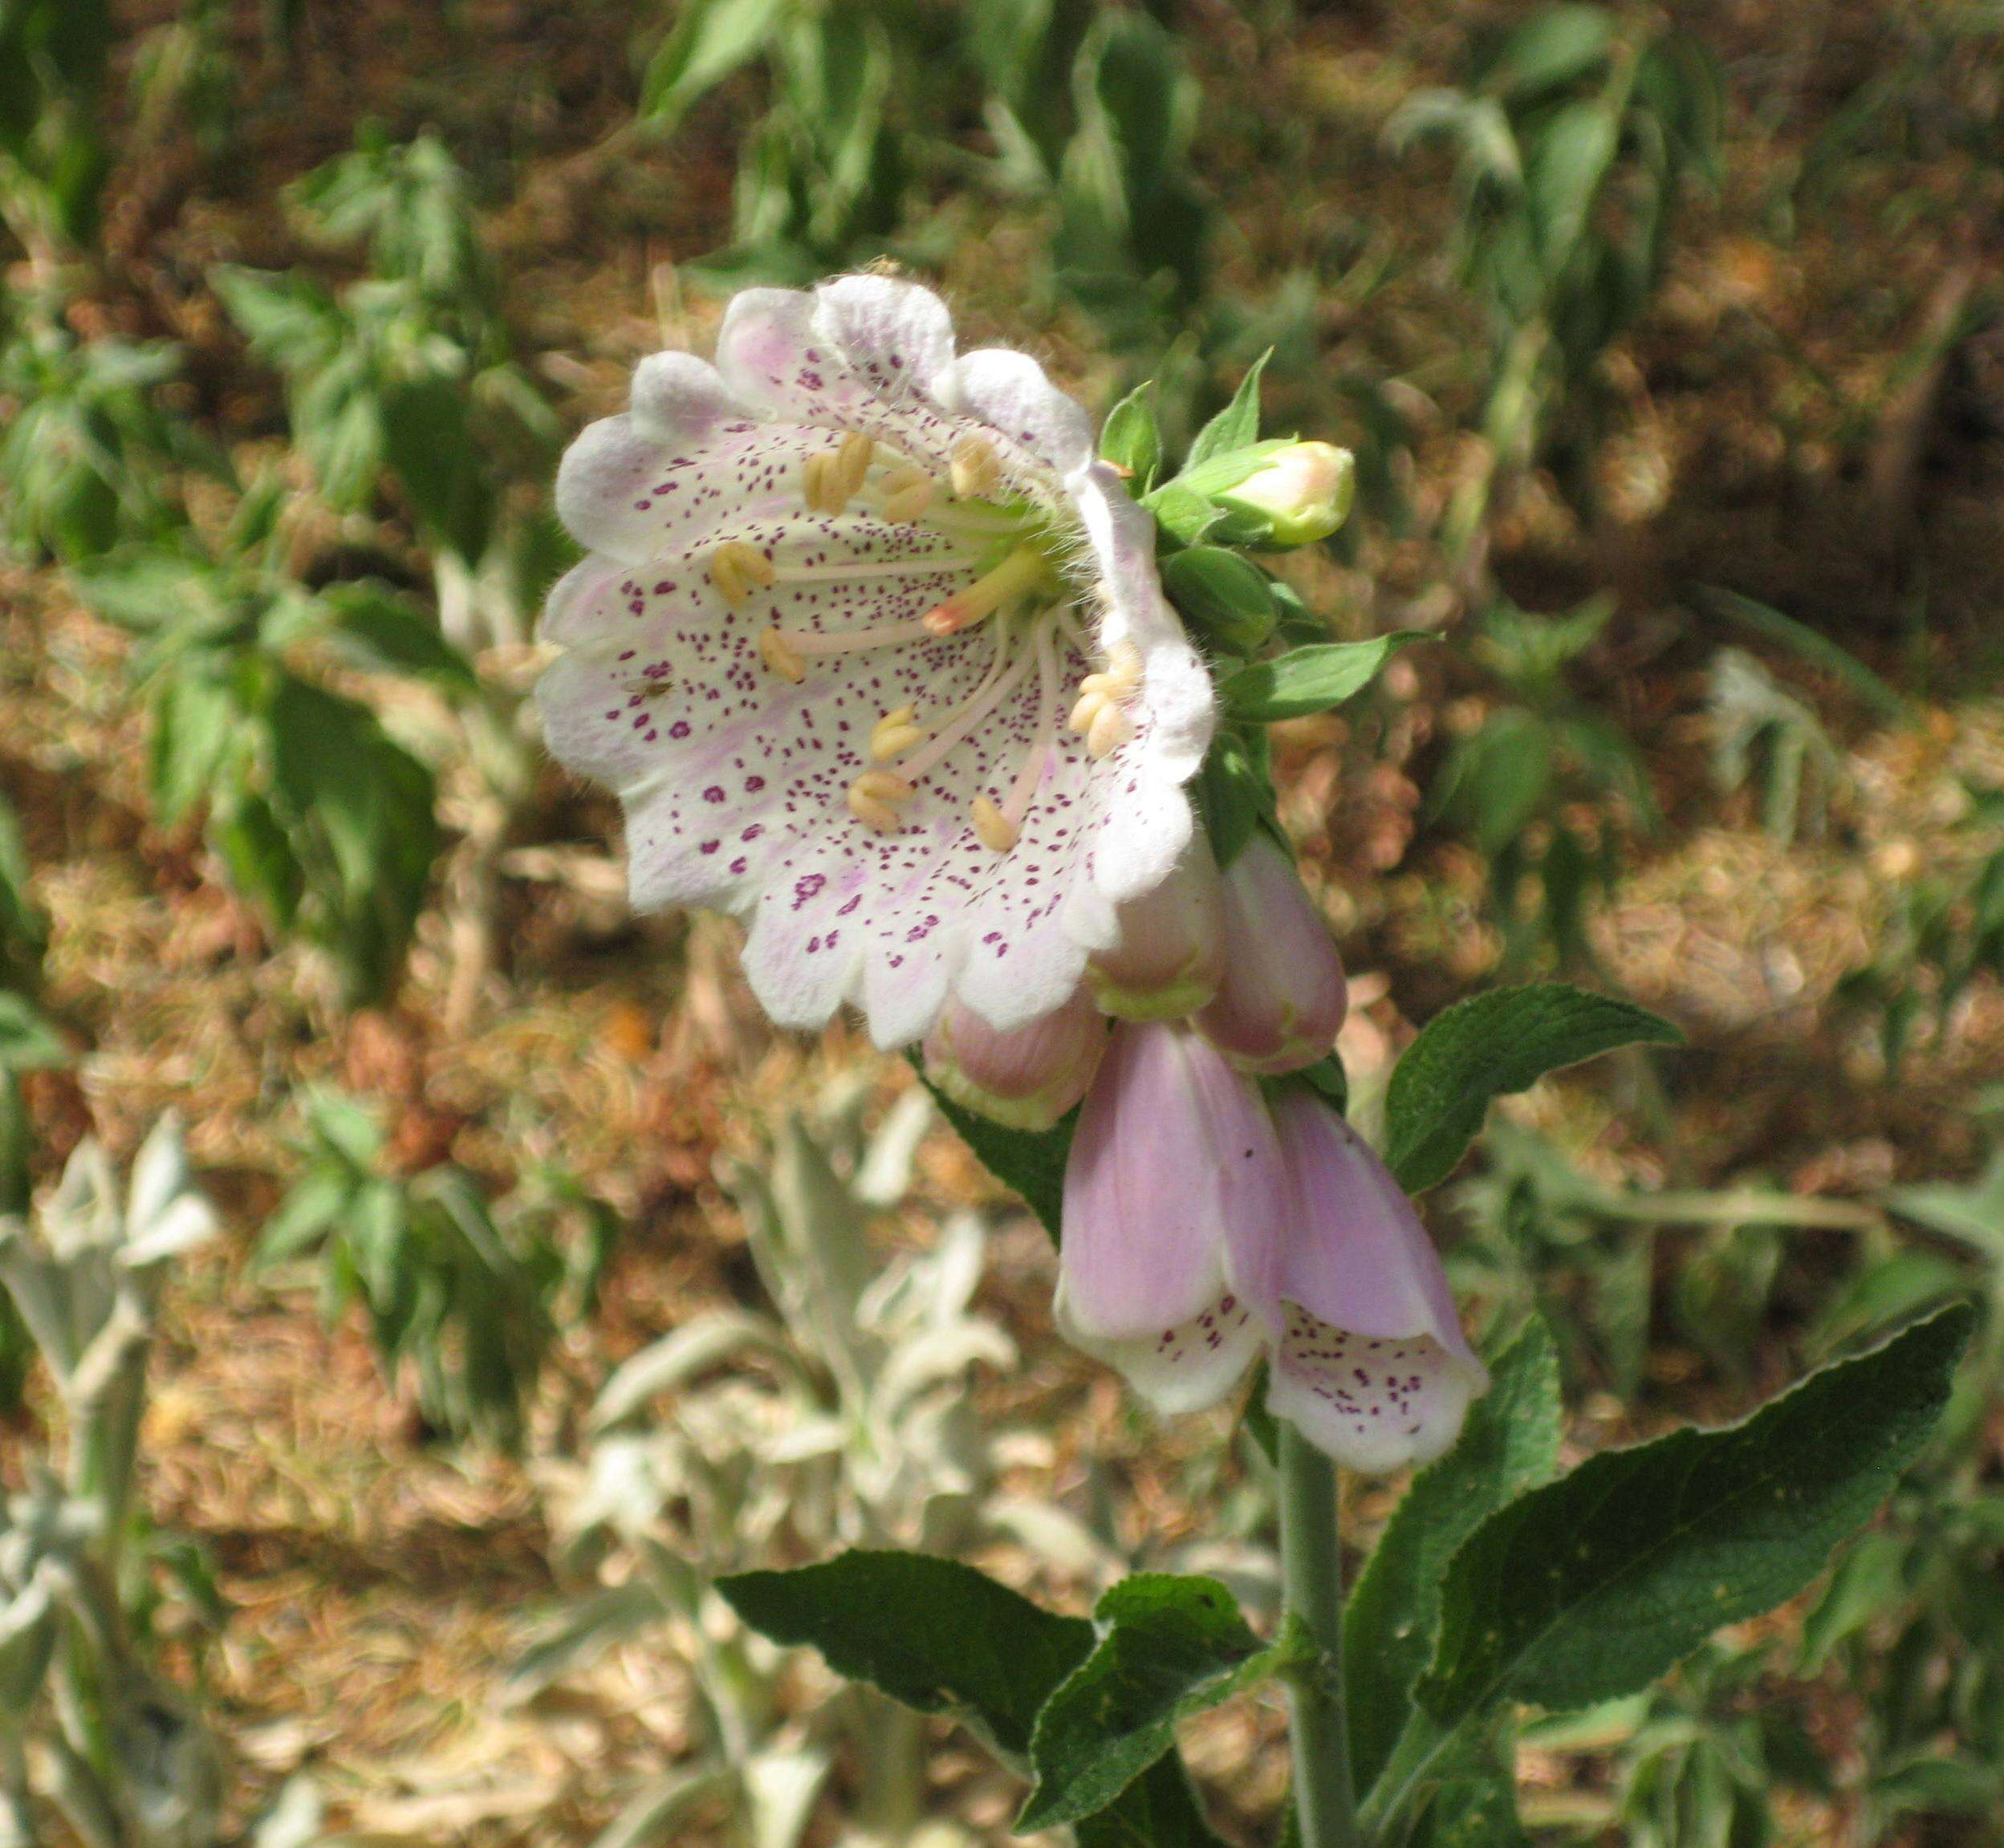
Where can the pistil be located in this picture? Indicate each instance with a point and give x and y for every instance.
(1022, 571)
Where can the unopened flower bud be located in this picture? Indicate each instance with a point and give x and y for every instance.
(1282, 996)
(1301, 494)
(1027, 1077)
(1169, 959)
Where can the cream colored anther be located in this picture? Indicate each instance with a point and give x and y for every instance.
(736, 569)
(895, 733)
(882, 786)
(907, 494)
(1111, 728)
(779, 654)
(992, 828)
(850, 464)
(976, 469)
(873, 814)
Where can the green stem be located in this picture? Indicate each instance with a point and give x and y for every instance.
(1311, 1577)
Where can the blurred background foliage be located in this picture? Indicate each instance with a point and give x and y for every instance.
(532, 1280)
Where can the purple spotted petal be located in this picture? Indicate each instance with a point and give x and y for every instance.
(1369, 1359)
(737, 781)
(1174, 1193)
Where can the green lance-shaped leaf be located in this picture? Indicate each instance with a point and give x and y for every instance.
(1487, 1047)
(1509, 1444)
(1169, 1646)
(941, 1637)
(1592, 1587)
(932, 1633)
(1311, 680)
(1235, 427)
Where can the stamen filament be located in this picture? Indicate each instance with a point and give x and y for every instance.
(1005, 673)
(853, 641)
(1030, 773)
(922, 565)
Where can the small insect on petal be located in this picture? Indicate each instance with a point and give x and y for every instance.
(779, 654)
(992, 828)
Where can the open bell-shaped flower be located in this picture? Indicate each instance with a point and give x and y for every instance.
(1026, 1077)
(1174, 1189)
(1367, 1357)
(872, 647)
(1203, 1226)
(1281, 995)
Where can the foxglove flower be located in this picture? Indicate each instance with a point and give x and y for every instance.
(1203, 1228)
(1026, 1077)
(1174, 1193)
(872, 648)
(1281, 995)
(1168, 956)
(1368, 1356)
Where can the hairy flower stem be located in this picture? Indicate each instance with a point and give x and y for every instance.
(1311, 1576)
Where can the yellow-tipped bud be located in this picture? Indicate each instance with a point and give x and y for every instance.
(1302, 493)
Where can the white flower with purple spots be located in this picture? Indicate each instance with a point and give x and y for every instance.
(1204, 1226)
(872, 647)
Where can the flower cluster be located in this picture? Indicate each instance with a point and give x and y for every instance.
(1209, 1219)
(872, 647)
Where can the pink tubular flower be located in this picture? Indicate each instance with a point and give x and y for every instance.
(1026, 1077)
(872, 647)
(1170, 957)
(1202, 1227)
(1281, 1001)
(1369, 1356)
(1175, 1188)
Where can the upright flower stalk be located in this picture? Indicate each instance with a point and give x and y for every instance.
(1311, 1596)
(873, 645)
